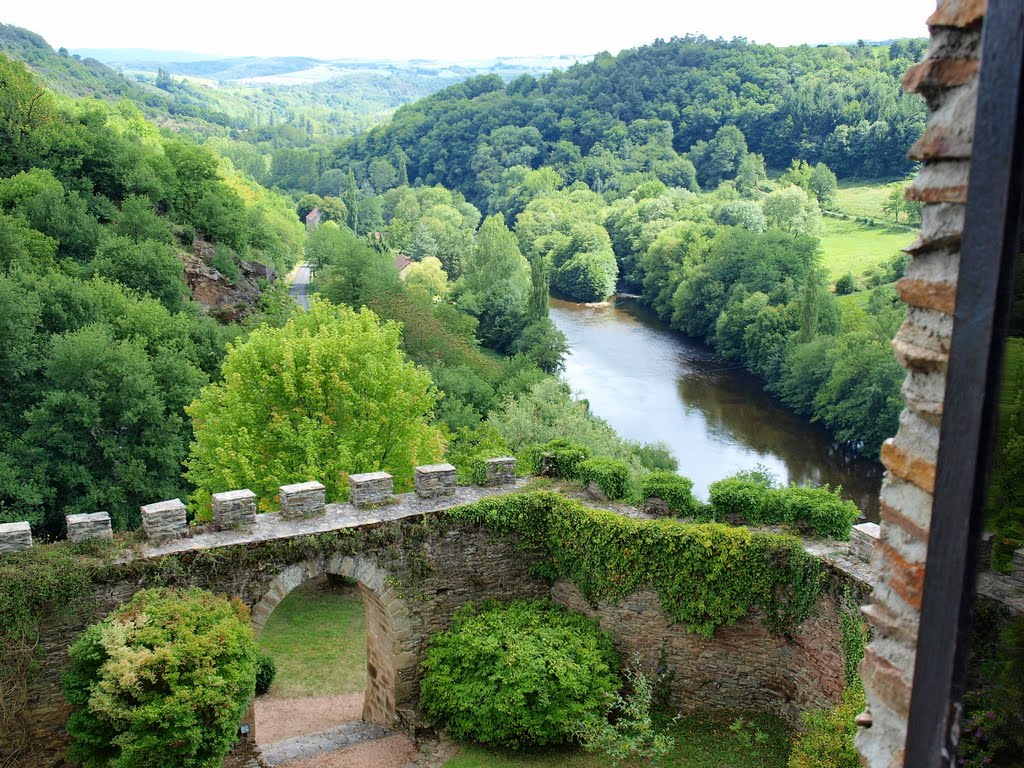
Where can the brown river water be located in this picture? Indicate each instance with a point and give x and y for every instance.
(654, 384)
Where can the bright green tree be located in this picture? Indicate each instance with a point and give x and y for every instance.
(427, 276)
(328, 394)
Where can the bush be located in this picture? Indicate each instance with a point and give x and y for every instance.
(742, 498)
(846, 284)
(526, 673)
(818, 510)
(827, 739)
(751, 498)
(162, 682)
(610, 475)
(675, 490)
(559, 458)
(266, 670)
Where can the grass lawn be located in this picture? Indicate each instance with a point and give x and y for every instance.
(862, 199)
(849, 246)
(701, 742)
(317, 638)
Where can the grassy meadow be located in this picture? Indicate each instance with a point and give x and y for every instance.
(852, 246)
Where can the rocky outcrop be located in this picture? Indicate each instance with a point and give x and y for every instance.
(220, 296)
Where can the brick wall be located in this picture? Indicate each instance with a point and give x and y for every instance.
(947, 79)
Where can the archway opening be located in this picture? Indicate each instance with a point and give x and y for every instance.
(335, 632)
(317, 639)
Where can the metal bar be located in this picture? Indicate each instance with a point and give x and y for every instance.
(988, 255)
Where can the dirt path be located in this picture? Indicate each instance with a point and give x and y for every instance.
(279, 719)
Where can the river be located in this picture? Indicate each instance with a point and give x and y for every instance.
(651, 383)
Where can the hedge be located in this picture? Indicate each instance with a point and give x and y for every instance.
(821, 510)
(706, 575)
(675, 490)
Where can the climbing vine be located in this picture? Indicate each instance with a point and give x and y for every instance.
(706, 575)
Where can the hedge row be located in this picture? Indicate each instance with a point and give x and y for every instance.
(707, 575)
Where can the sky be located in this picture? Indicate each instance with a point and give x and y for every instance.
(453, 29)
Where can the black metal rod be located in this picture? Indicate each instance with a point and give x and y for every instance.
(988, 256)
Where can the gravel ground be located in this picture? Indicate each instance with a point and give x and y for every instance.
(393, 752)
(278, 719)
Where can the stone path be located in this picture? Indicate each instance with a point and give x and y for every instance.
(315, 744)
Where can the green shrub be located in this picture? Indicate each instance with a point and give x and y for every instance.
(752, 498)
(675, 490)
(827, 738)
(526, 673)
(819, 510)
(266, 670)
(612, 476)
(745, 499)
(162, 682)
(559, 458)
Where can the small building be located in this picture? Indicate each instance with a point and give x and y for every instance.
(313, 219)
(402, 263)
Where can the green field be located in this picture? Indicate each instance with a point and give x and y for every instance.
(850, 246)
(861, 199)
(317, 638)
(701, 742)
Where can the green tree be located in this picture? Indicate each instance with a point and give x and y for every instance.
(893, 205)
(106, 432)
(427, 276)
(792, 210)
(495, 284)
(328, 394)
(139, 221)
(823, 184)
(147, 267)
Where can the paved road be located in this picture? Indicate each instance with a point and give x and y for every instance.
(299, 289)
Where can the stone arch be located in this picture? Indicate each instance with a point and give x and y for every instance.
(390, 663)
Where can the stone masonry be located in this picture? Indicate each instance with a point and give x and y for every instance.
(435, 480)
(501, 471)
(302, 500)
(164, 520)
(947, 79)
(863, 539)
(232, 509)
(15, 537)
(89, 526)
(370, 489)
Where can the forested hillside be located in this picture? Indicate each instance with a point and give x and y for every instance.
(658, 109)
(183, 108)
(102, 217)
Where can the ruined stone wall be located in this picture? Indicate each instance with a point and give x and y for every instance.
(412, 578)
(947, 79)
(741, 667)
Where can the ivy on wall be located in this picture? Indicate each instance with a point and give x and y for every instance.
(706, 575)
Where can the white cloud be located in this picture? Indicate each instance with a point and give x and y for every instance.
(455, 29)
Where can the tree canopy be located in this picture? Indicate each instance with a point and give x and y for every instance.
(328, 394)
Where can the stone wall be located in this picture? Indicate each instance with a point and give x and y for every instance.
(415, 567)
(947, 79)
(740, 668)
(412, 578)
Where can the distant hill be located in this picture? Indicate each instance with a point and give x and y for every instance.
(245, 96)
(294, 70)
